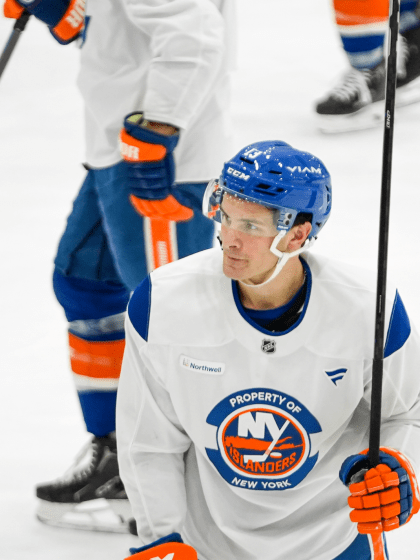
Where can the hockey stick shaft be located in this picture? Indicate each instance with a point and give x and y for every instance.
(19, 26)
(378, 357)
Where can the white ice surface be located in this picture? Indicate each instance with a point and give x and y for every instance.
(289, 55)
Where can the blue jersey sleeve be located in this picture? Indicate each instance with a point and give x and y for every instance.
(139, 307)
(399, 327)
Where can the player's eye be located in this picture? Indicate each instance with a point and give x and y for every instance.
(225, 217)
(251, 227)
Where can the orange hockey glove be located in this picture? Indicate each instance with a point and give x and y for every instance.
(382, 498)
(65, 18)
(150, 171)
(171, 546)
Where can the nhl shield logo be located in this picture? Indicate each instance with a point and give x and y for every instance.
(268, 346)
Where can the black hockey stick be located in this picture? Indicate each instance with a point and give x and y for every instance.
(378, 357)
(19, 26)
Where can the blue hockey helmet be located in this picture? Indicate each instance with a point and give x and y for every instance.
(275, 175)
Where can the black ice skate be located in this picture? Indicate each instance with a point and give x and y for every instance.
(90, 495)
(408, 68)
(356, 103)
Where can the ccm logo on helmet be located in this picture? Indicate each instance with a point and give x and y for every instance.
(238, 174)
(304, 170)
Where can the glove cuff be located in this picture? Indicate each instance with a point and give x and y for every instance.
(65, 18)
(164, 547)
(352, 465)
(69, 26)
(48, 11)
(173, 537)
(167, 550)
(135, 150)
(133, 126)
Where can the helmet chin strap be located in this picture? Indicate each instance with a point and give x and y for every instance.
(283, 257)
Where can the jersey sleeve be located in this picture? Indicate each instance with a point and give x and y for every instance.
(151, 441)
(187, 48)
(401, 386)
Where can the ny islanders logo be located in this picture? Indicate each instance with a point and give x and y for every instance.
(263, 440)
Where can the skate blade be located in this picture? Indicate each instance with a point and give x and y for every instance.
(107, 516)
(408, 94)
(370, 116)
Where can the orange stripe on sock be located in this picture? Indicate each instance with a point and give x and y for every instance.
(162, 245)
(99, 360)
(360, 12)
(160, 240)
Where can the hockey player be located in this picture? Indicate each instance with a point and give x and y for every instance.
(244, 398)
(357, 101)
(155, 81)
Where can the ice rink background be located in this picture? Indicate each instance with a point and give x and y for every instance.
(288, 56)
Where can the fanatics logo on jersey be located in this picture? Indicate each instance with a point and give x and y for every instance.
(268, 346)
(211, 368)
(336, 375)
(263, 440)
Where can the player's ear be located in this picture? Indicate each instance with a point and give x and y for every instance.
(300, 234)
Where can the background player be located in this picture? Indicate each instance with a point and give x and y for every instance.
(356, 102)
(246, 383)
(171, 61)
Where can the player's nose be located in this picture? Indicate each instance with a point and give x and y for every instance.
(231, 237)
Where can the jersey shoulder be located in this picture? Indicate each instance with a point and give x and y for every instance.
(179, 302)
(353, 291)
(342, 274)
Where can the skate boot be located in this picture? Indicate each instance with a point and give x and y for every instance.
(356, 103)
(90, 495)
(408, 68)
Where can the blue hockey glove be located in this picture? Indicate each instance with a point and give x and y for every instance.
(65, 18)
(151, 171)
(172, 546)
(382, 498)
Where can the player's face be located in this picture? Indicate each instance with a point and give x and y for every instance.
(247, 233)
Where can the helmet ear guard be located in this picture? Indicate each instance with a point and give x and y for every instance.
(286, 218)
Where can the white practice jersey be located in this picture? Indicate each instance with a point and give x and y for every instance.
(170, 59)
(234, 435)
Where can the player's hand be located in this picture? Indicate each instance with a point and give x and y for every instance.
(151, 170)
(170, 546)
(65, 18)
(382, 498)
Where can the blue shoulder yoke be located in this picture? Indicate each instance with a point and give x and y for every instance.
(139, 307)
